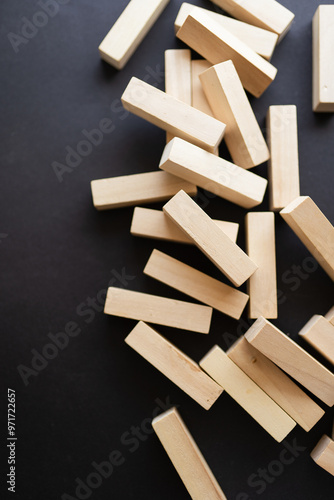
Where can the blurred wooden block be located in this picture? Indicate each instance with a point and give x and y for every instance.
(319, 333)
(199, 100)
(323, 454)
(330, 315)
(174, 364)
(323, 64)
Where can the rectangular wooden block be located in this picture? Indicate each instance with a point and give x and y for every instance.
(291, 358)
(313, 229)
(319, 333)
(211, 240)
(174, 364)
(217, 44)
(159, 310)
(129, 31)
(213, 174)
(273, 381)
(323, 454)
(199, 100)
(330, 315)
(196, 284)
(172, 115)
(283, 168)
(129, 190)
(261, 248)
(247, 394)
(190, 464)
(323, 64)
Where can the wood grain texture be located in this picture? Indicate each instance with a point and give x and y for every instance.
(319, 333)
(323, 454)
(330, 315)
(323, 64)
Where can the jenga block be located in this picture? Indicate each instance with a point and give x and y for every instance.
(283, 169)
(159, 310)
(129, 31)
(295, 402)
(129, 190)
(313, 229)
(217, 44)
(196, 284)
(199, 100)
(214, 174)
(319, 333)
(172, 115)
(230, 104)
(323, 65)
(330, 315)
(190, 464)
(323, 454)
(247, 394)
(261, 248)
(291, 358)
(211, 240)
(174, 364)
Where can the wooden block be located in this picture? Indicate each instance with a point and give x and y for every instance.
(196, 284)
(129, 190)
(227, 98)
(172, 115)
(247, 394)
(149, 223)
(294, 360)
(129, 31)
(319, 333)
(174, 364)
(217, 44)
(213, 174)
(190, 463)
(261, 249)
(323, 65)
(199, 100)
(211, 240)
(323, 454)
(313, 229)
(295, 402)
(283, 168)
(330, 315)
(159, 310)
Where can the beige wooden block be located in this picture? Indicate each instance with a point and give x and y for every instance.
(211, 240)
(172, 115)
(129, 31)
(217, 44)
(196, 284)
(190, 463)
(159, 310)
(291, 358)
(174, 364)
(230, 104)
(129, 190)
(313, 229)
(323, 454)
(199, 100)
(295, 402)
(330, 315)
(319, 333)
(323, 64)
(149, 223)
(283, 168)
(213, 174)
(261, 248)
(247, 394)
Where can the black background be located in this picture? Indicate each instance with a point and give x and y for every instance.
(59, 252)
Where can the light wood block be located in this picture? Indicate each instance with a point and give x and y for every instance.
(174, 364)
(323, 454)
(295, 402)
(159, 310)
(129, 190)
(196, 284)
(261, 249)
(313, 229)
(217, 44)
(211, 240)
(213, 174)
(190, 463)
(291, 358)
(283, 168)
(230, 104)
(247, 394)
(330, 315)
(319, 333)
(129, 30)
(172, 115)
(199, 100)
(323, 64)
(149, 223)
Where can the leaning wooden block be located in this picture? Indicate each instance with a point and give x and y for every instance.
(247, 394)
(294, 360)
(189, 463)
(129, 31)
(211, 240)
(196, 284)
(159, 310)
(172, 115)
(323, 64)
(323, 454)
(319, 333)
(313, 229)
(174, 364)
(330, 315)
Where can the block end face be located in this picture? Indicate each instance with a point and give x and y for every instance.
(256, 328)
